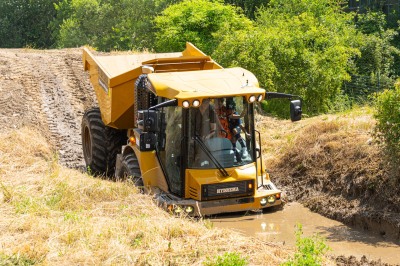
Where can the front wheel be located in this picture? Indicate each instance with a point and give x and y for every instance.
(130, 169)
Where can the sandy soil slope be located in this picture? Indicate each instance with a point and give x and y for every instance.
(47, 90)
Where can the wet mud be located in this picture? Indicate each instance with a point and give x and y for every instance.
(348, 244)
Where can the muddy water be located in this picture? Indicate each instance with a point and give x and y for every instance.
(279, 226)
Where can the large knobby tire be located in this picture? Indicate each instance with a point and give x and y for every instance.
(130, 169)
(100, 144)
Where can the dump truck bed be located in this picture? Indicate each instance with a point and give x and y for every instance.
(116, 65)
(113, 78)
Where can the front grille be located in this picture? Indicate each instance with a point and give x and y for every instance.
(268, 187)
(227, 190)
(193, 192)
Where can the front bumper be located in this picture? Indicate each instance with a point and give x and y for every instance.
(260, 200)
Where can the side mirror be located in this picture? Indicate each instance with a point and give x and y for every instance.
(295, 110)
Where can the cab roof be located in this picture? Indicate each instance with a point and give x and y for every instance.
(205, 84)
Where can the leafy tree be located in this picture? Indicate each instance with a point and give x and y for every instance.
(249, 6)
(201, 22)
(25, 23)
(374, 69)
(297, 46)
(107, 24)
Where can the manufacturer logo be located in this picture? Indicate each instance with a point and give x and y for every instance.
(227, 190)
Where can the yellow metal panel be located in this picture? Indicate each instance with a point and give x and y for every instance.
(206, 83)
(122, 99)
(192, 50)
(194, 178)
(177, 60)
(152, 173)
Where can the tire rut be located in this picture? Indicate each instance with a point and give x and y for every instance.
(47, 90)
(64, 97)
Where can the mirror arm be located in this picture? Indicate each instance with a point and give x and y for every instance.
(279, 95)
(173, 102)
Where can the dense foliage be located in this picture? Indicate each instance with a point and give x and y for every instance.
(388, 120)
(26, 23)
(198, 21)
(249, 7)
(375, 68)
(298, 46)
(107, 24)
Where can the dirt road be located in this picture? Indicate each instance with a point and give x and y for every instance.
(47, 90)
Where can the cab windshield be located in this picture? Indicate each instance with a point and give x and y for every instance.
(219, 133)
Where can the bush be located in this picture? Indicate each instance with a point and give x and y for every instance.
(310, 250)
(387, 114)
(228, 259)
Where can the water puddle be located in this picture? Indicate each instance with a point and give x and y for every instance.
(279, 226)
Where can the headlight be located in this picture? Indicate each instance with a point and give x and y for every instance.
(177, 209)
(189, 209)
(185, 104)
(259, 98)
(271, 199)
(196, 103)
(252, 98)
(263, 201)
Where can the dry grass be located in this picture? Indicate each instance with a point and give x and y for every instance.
(280, 136)
(57, 216)
(332, 165)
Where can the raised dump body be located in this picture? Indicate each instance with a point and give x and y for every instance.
(113, 78)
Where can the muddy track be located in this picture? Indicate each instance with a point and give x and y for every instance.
(47, 90)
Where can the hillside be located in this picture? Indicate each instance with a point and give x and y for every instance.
(55, 214)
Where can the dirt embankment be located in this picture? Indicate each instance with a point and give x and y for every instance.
(332, 165)
(47, 90)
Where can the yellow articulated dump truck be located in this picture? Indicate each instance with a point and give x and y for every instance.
(182, 128)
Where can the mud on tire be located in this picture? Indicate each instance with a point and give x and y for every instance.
(100, 144)
(130, 169)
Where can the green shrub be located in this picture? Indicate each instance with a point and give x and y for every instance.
(228, 259)
(387, 114)
(310, 250)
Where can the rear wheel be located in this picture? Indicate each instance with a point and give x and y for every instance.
(100, 143)
(130, 169)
